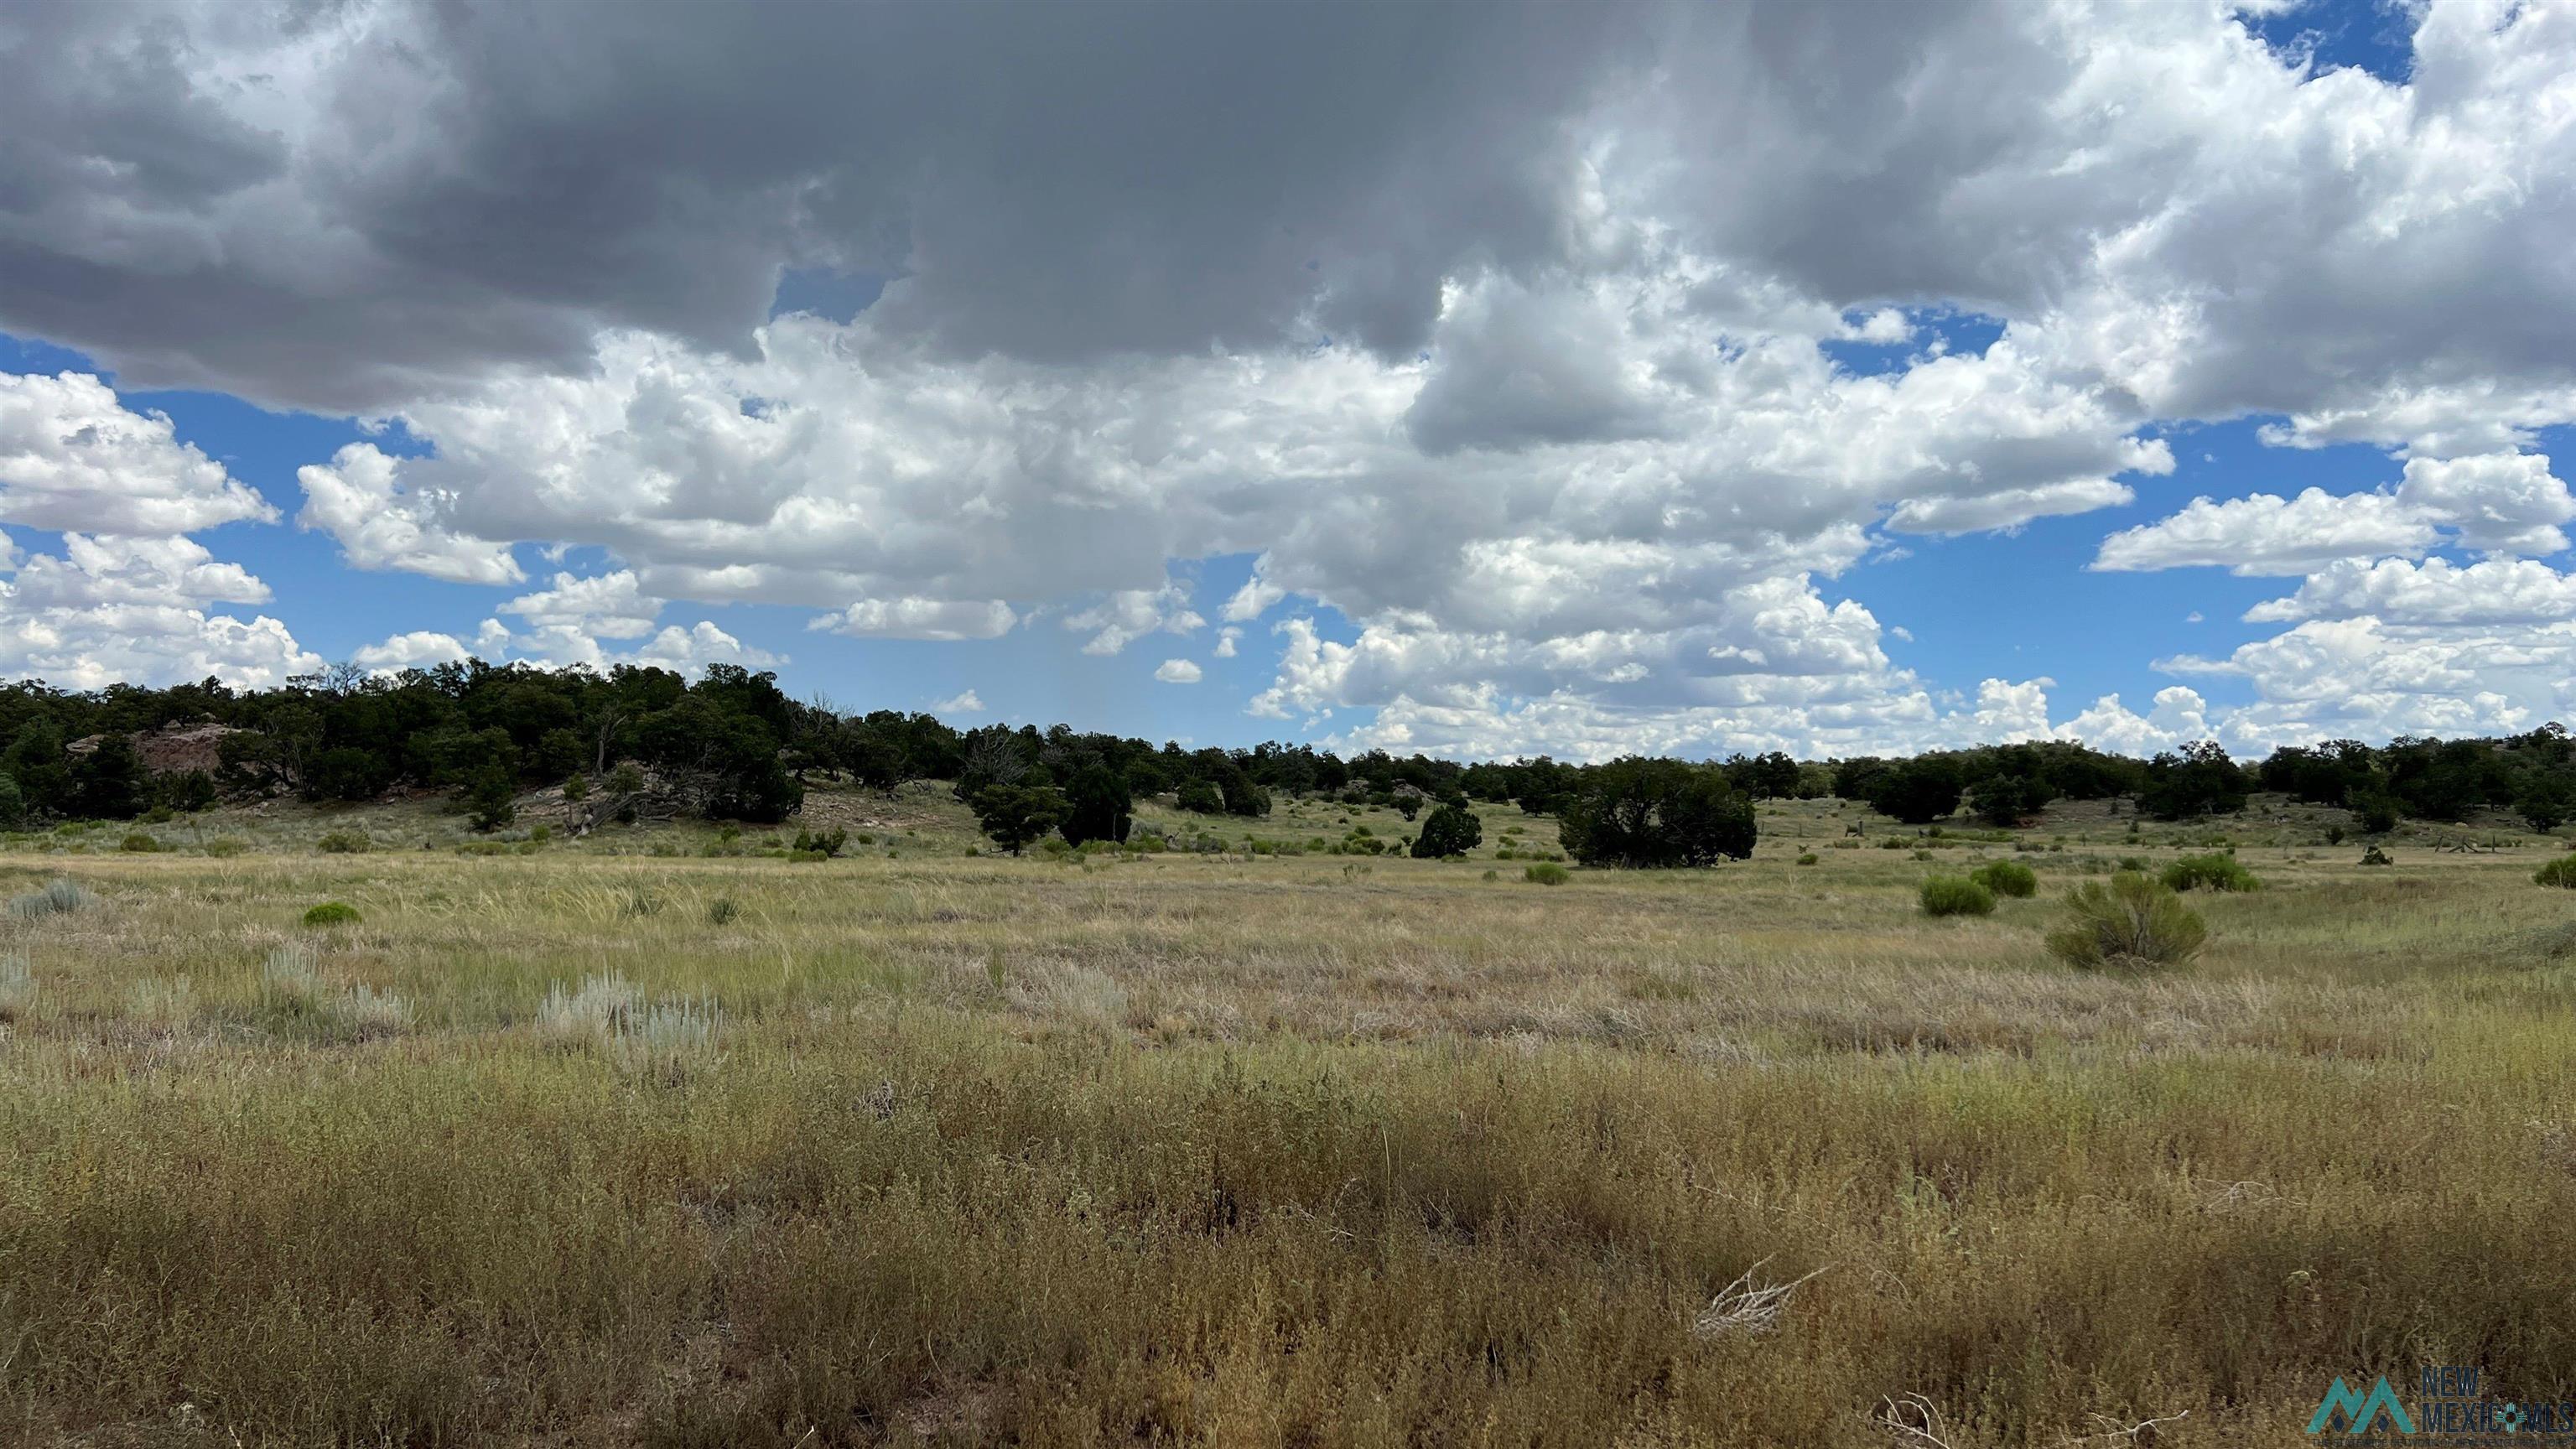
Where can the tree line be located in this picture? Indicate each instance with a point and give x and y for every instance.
(635, 742)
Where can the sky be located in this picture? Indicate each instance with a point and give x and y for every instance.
(1479, 379)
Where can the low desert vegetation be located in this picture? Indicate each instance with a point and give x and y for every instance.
(2559, 872)
(2007, 878)
(1950, 895)
(2128, 921)
(665, 1136)
(2215, 872)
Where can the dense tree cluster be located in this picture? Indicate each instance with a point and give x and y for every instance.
(732, 745)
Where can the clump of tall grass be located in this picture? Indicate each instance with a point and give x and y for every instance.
(293, 995)
(1546, 872)
(290, 986)
(54, 898)
(2213, 872)
(344, 842)
(2007, 878)
(17, 989)
(2131, 921)
(589, 1016)
(2560, 872)
(1949, 895)
(164, 1001)
(651, 1038)
(665, 1039)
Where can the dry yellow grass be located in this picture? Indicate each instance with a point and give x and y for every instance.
(1303, 1150)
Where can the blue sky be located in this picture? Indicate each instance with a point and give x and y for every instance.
(1563, 383)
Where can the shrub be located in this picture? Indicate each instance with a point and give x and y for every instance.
(289, 986)
(1806, 857)
(2007, 878)
(1948, 895)
(2376, 814)
(332, 913)
(56, 898)
(2334, 835)
(2130, 921)
(138, 842)
(2560, 872)
(1449, 830)
(224, 847)
(1547, 873)
(1098, 807)
(2209, 873)
(1016, 816)
(721, 911)
(576, 789)
(1642, 812)
(17, 989)
(344, 842)
(2373, 855)
(820, 844)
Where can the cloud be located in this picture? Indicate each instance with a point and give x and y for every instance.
(358, 499)
(109, 609)
(2268, 534)
(1228, 640)
(73, 457)
(963, 702)
(1177, 671)
(2436, 591)
(417, 649)
(609, 606)
(1521, 358)
(1130, 614)
(914, 618)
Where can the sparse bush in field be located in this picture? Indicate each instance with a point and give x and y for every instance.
(1807, 857)
(55, 898)
(2373, 855)
(225, 847)
(289, 985)
(589, 1016)
(1547, 873)
(626, 779)
(332, 913)
(2129, 921)
(138, 842)
(367, 1012)
(2007, 878)
(344, 842)
(663, 1040)
(1493, 875)
(1449, 830)
(2209, 873)
(163, 1001)
(821, 844)
(2133, 862)
(2334, 835)
(2560, 872)
(17, 989)
(1949, 895)
(576, 789)
(721, 911)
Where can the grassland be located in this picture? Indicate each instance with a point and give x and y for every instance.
(597, 1145)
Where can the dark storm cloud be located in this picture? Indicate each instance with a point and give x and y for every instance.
(362, 204)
